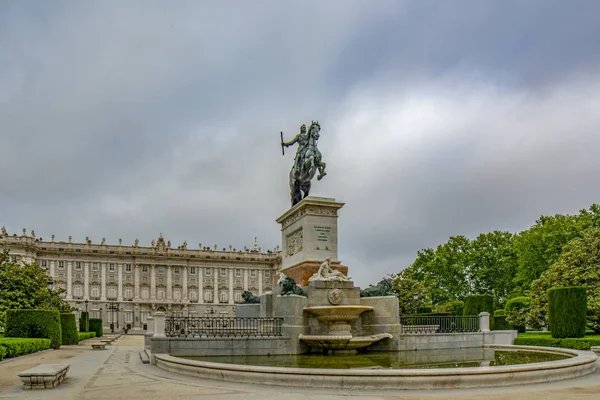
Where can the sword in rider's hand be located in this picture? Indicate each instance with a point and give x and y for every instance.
(282, 145)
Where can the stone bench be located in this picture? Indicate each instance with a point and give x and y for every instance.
(44, 376)
(106, 341)
(98, 346)
(413, 329)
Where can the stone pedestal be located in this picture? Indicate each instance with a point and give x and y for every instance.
(291, 309)
(309, 234)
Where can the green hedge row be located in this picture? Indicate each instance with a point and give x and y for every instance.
(584, 343)
(43, 324)
(567, 311)
(96, 326)
(500, 323)
(15, 347)
(86, 335)
(424, 310)
(69, 329)
(82, 321)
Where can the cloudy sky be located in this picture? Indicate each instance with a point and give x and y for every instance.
(127, 119)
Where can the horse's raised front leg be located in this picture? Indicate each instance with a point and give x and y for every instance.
(322, 172)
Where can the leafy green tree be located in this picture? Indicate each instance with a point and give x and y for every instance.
(24, 286)
(410, 292)
(443, 272)
(578, 265)
(541, 245)
(493, 265)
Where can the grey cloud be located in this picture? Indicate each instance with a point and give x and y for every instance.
(130, 119)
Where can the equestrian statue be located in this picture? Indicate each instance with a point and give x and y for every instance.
(307, 162)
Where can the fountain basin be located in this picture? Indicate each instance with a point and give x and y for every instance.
(342, 342)
(578, 364)
(337, 313)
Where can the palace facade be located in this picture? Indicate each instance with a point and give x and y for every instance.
(125, 284)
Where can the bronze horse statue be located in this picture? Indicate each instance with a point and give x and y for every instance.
(307, 162)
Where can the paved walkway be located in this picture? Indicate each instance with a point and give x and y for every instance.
(118, 373)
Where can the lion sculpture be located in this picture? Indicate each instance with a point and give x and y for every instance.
(288, 286)
(383, 288)
(249, 298)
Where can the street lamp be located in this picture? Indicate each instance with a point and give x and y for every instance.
(50, 285)
(87, 317)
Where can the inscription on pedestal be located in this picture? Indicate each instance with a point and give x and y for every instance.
(323, 234)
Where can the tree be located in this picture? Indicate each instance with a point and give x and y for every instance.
(410, 292)
(443, 272)
(24, 286)
(493, 265)
(578, 265)
(541, 245)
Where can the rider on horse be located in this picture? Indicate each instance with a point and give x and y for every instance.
(308, 159)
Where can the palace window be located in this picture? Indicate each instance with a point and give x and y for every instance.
(128, 292)
(177, 294)
(61, 265)
(223, 272)
(144, 268)
(207, 271)
(95, 291)
(95, 314)
(161, 270)
(238, 272)
(128, 317)
(176, 270)
(253, 273)
(267, 274)
(145, 293)
(77, 290)
(77, 265)
(160, 293)
(127, 267)
(193, 295)
(111, 267)
(95, 266)
(237, 295)
(223, 296)
(43, 263)
(193, 271)
(208, 295)
(112, 292)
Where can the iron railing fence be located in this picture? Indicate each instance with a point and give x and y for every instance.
(222, 327)
(439, 324)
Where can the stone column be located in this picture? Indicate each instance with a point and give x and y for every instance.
(120, 282)
(216, 273)
(169, 282)
(184, 295)
(52, 269)
(86, 281)
(484, 321)
(200, 285)
(136, 282)
(153, 281)
(231, 300)
(149, 332)
(245, 279)
(159, 325)
(69, 280)
(260, 276)
(103, 287)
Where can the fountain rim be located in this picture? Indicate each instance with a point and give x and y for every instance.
(578, 359)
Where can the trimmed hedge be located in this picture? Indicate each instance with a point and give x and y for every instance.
(86, 335)
(567, 311)
(69, 329)
(82, 320)
(478, 303)
(44, 324)
(96, 326)
(15, 347)
(514, 305)
(535, 339)
(424, 310)
(500, 323)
